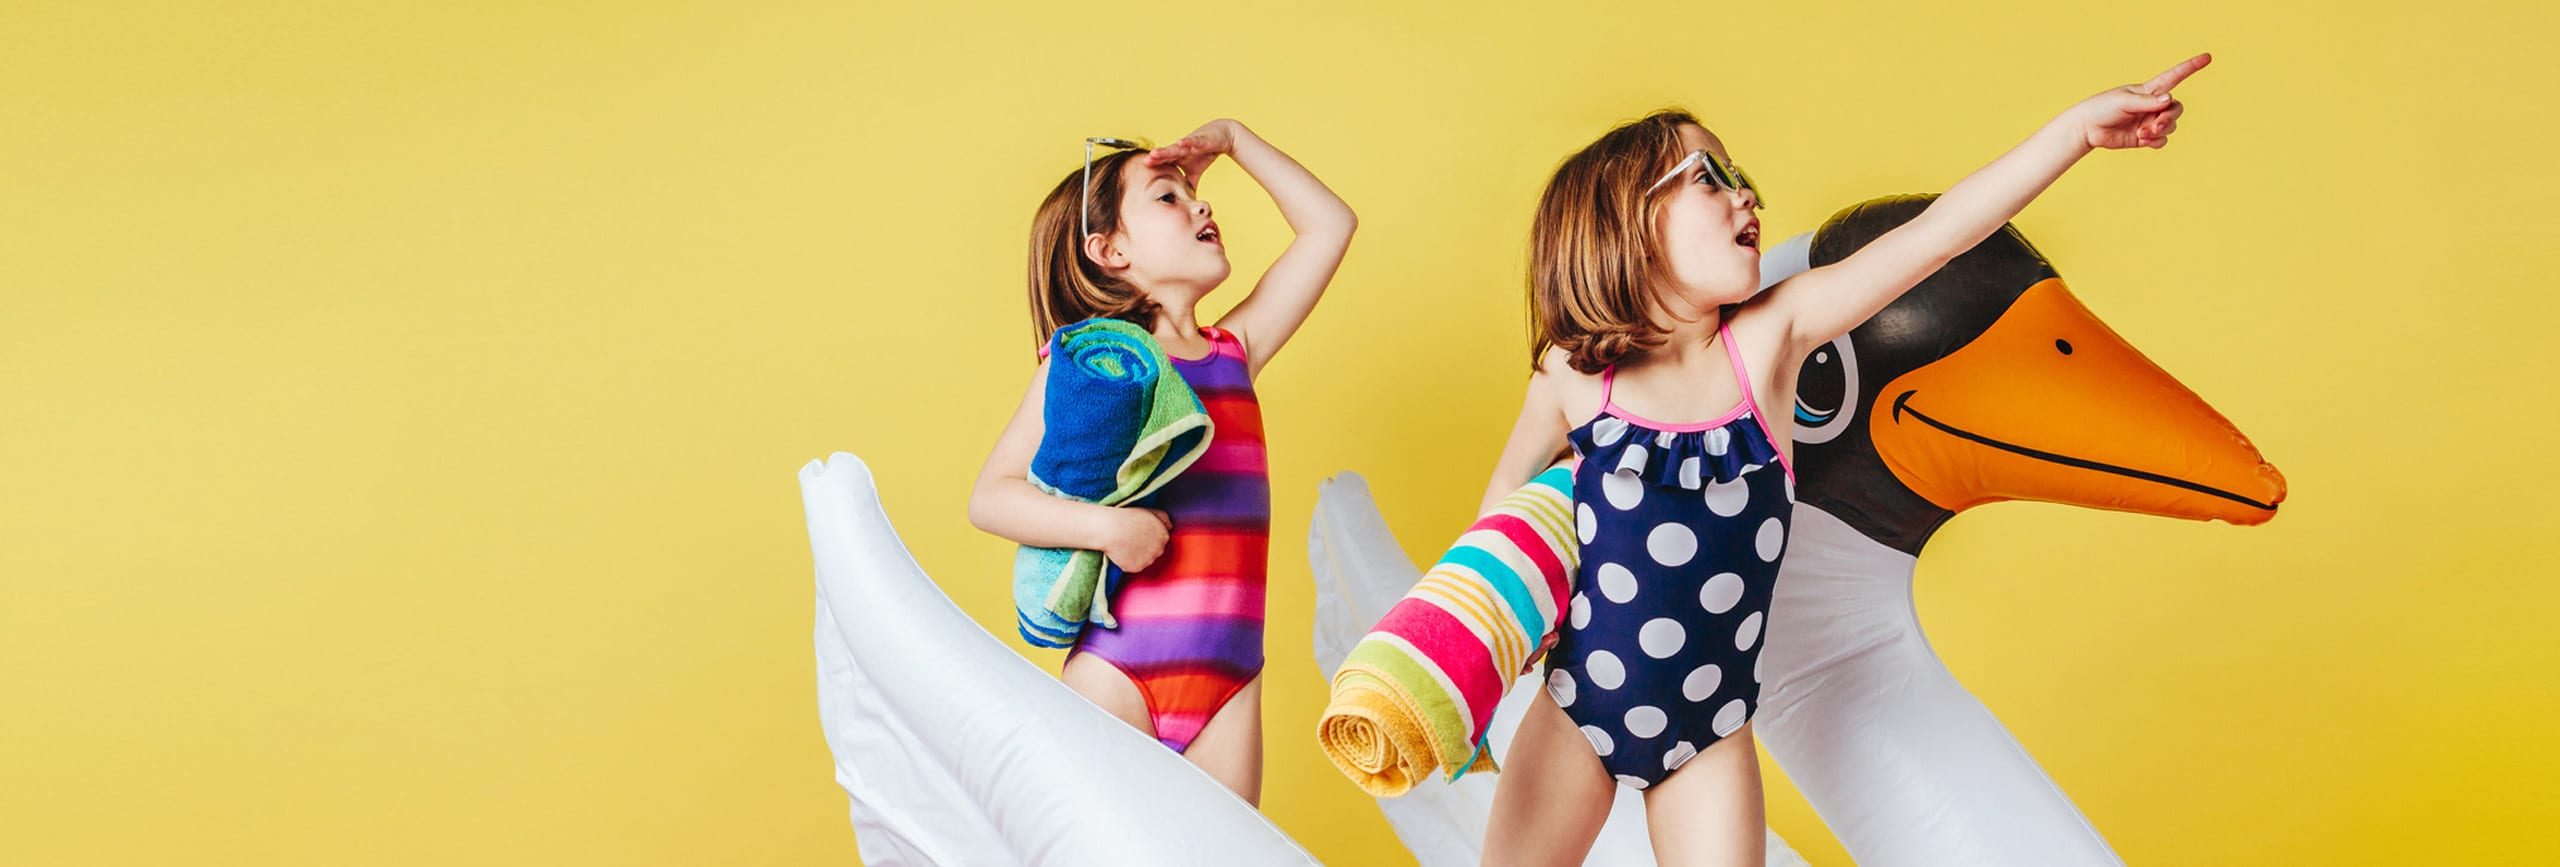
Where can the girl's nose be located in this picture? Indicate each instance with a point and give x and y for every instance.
(1744, 198)
(1200, 206)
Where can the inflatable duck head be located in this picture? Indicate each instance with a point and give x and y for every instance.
(1988, 381)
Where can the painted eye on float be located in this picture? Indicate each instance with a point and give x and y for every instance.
(1827, 392)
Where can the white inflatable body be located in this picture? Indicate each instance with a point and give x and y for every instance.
(956, 750)
(1903, 764)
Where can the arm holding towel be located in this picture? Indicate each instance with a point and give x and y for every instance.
(1117, 423)
(1005, 503)
(1008, 504)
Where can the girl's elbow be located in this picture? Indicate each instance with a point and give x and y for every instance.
(981, 511)
(1336, 233)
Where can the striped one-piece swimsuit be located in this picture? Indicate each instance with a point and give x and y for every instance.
(1190, 632)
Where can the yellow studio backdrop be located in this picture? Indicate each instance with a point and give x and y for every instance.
(399, 403)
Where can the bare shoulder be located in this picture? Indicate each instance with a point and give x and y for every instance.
(1575, 394)
(1040, 378)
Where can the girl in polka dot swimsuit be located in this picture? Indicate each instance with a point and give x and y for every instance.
(1653, 354)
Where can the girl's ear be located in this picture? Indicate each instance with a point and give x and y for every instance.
(1098, 248)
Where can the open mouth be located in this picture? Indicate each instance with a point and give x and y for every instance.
(1208, 235)
(1902, 404)
(1749, 237)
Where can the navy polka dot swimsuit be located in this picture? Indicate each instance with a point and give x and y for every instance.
(1682, 528)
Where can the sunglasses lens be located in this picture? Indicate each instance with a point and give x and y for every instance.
(1724, 175)
(1745, 179)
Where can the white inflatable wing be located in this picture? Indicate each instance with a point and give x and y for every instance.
(1360, 571)
(956, 750)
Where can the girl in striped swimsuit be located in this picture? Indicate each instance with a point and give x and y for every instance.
(1126, 236)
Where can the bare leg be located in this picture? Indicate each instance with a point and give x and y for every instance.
(1710, 811)
(1230, 746)
(1552, 796)
(1106, 685)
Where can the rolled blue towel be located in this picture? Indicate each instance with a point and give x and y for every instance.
(1120, 423)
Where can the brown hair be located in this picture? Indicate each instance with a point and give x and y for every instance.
(1068, 287)
(1591, 247)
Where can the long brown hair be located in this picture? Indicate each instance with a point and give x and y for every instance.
(1592, 250)
(1066, 286)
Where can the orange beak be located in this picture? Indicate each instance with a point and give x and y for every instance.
(2050, 405)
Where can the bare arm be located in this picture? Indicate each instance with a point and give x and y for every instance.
(1005, 503)
(1535, 441)
(1322, 223)
(1824, 303)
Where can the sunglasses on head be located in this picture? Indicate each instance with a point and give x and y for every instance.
(1724, 175)
(1084, 203)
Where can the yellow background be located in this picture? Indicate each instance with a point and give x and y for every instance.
(399, 405)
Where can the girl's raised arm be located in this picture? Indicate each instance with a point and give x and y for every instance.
(1824, 303)
(1323, 224)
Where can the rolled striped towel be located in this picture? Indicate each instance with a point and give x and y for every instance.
(1416, 694)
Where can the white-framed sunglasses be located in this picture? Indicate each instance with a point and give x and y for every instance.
(1723, 174)
(1084, 203)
